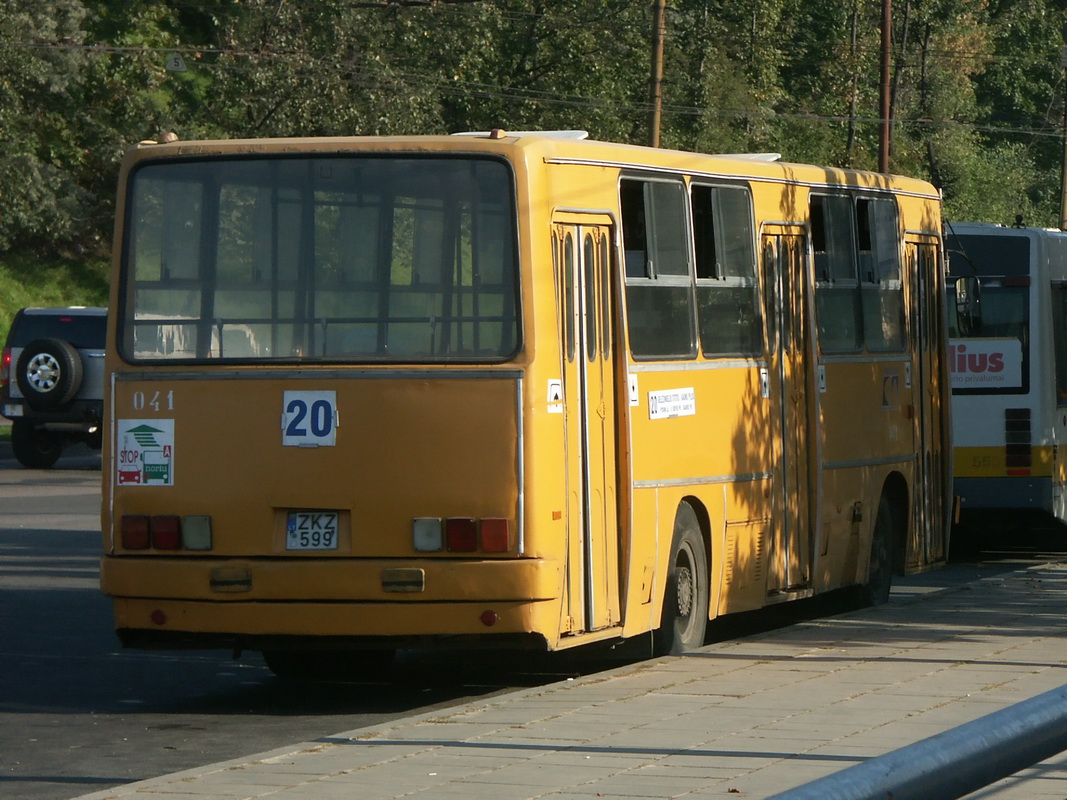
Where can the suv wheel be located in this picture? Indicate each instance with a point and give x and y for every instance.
(34, 448)
(49, 373)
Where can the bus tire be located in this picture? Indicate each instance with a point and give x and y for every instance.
(875, 591)
(320, 665)
(685, 599)
(33, 448)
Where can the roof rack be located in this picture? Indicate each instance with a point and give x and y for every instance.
(500, 133)
(752, 156)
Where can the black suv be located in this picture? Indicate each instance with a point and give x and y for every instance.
(52, 381)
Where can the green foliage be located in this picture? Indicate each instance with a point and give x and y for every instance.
(977, 92)
(29, 281)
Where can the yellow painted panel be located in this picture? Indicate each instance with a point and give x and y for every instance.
(990, 462)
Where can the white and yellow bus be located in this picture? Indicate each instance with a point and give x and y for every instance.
(511, 391)
(1008, 366)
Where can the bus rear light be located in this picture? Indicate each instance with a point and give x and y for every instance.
(427, 535)
(158, 616)
(134, 532)
(494, 535)
(461, 535)
(166, 531)
(196, 532)
(490, 618)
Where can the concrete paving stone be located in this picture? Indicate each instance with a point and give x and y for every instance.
(446, 730)
(253, 776)
(738, 716)
(646, 782)
(654, 743)
(655, 704)
(705, 721)
(525, 746)
(534, 775)
(380, 783)
(561, 732)
(1036, 683)
(830, 727)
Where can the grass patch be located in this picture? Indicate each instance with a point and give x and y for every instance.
(29, 280)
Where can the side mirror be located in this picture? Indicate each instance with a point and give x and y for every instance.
(968, 305)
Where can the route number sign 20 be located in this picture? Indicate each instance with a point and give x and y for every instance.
(309, 419)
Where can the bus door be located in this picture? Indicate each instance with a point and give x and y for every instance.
(586, 310)
(793, 394)
(932, 442)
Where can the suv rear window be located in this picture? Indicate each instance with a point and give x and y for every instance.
(86, 332)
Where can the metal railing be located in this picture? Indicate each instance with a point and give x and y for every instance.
(955, 763)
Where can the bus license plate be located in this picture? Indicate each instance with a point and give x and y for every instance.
(311, 530)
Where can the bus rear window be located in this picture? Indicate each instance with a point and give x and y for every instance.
(359, 258)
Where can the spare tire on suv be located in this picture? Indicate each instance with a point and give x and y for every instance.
(49, 373)
(52, 381)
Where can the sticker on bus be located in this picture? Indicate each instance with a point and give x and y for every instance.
(672, 403)
(144, 453)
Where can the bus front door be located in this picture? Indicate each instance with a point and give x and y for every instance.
(792, 395)
(586, 312)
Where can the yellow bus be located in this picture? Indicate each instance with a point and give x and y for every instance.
(510, 391)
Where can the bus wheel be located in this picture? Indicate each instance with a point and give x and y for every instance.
(320, 665)
(875, 591)
(685, 602)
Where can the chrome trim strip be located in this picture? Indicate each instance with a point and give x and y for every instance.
(687, 366)
(870, 462)
(706, 480)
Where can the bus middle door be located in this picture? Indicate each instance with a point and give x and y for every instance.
(792, 394)
(592, 599)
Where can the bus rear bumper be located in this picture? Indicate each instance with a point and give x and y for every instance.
(1024, 492)
(233, 600)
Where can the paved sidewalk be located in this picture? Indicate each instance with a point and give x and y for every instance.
(741, 719)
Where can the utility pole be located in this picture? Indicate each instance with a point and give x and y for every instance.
(1063, 184)
(659, 12)
(886, 111)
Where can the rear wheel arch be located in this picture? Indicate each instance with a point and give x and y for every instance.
(895, 492)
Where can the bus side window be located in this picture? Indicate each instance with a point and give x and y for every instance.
(727, 292)
(881, 289)
(659, 297)
(837, 298)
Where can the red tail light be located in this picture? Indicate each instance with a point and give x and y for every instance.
(166, 532)
(494, 535)
(134, 529)
(461, 535)
(5, 367)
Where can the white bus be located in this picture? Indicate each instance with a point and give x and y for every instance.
(1008, 365)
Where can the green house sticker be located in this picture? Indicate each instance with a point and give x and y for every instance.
(144, 452)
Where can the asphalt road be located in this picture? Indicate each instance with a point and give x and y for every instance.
(78, 714)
